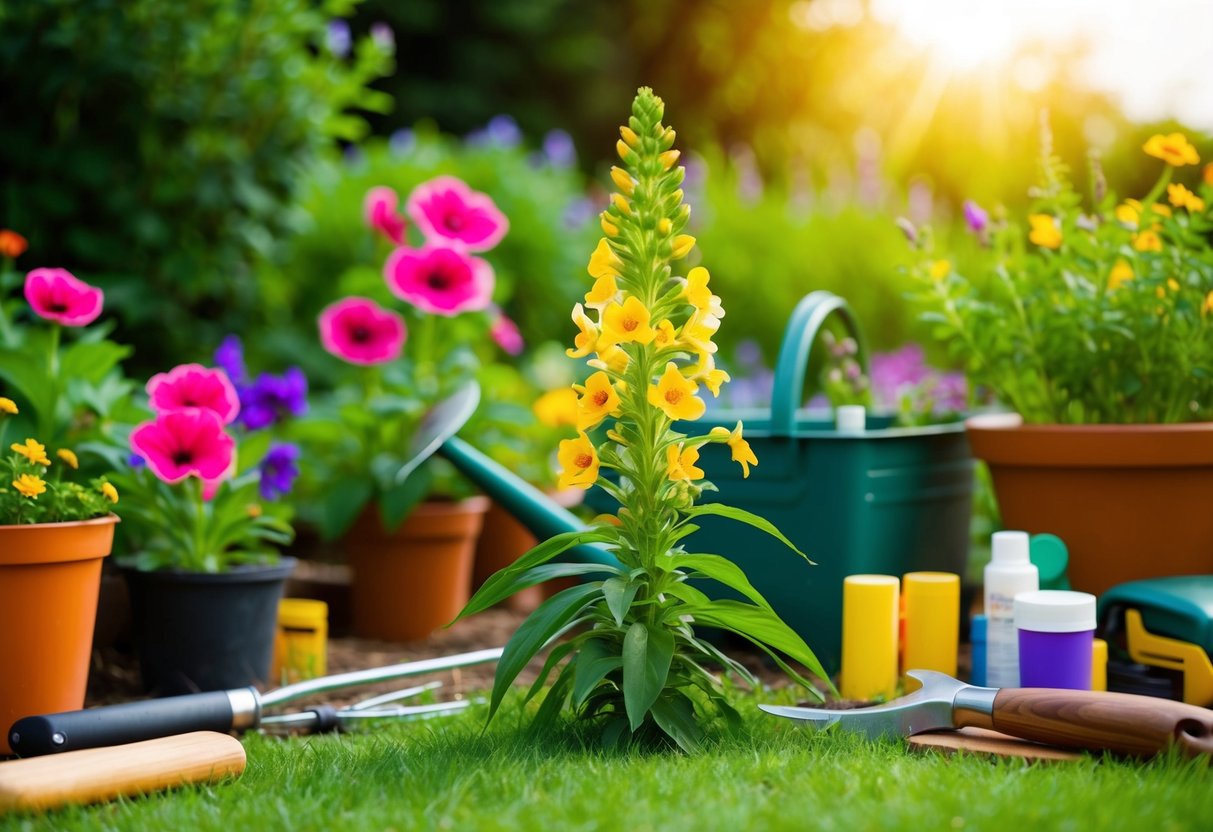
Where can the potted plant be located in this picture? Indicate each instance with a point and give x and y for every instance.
(206, 517)
(1097, 330)
(628, 658)
(409, 542)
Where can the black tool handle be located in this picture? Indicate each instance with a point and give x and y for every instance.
(120, 724)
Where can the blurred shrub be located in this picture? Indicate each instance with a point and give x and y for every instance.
(154, 148)
(540, 264)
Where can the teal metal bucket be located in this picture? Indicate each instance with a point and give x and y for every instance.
(886, 501)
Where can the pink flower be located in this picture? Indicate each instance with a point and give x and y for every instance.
(505, 333)
(447, 208)
(379, 209)
(192, 385)
(440, 278)
(57, 295)
(360, 331)
(183, 443)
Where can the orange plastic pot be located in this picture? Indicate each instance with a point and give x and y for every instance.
(1130, 501)
(410, 582)
(50, 574)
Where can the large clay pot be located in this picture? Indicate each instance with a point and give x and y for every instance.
(200, 631)
(410, 582)
(49, 578)
(1130, 501)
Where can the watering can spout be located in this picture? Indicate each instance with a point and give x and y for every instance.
(534, 509)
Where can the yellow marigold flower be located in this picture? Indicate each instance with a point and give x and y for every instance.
(680, 463)
(1173, 149)
(628, 323)
(603, 292)
(669, 159)
(1181, 197)
(7, 405)
(68, 457)
(664, 226)
(598, 401)
(665, 334)
(609, 228)
(1045, 232)
(623, 180)
(741, 450)
(578, 462)
(940, 269)
(557, 408)
(604, 261)
(612, 358)
(1121, 274)
(1208, 176)
(621, 203)
(675, 395)
(1147, 241)
(629, 135)
(32, 450)
(29, 485)
(683, 244)
(1207, 306)
(586, 340)
(109, 492)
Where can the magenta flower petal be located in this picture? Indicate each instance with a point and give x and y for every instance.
(192, 385)
(183, 443)
(380, 209)
(57, 295)
(360, 331)
(446, 208)
(505, 332)
(440, 278)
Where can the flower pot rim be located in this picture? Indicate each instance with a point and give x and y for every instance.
(281, 568)
(1014, 422)
(103, 520)
(1004, 439)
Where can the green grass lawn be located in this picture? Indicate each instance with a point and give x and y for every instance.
(443, 774)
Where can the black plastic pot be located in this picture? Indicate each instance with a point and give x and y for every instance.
(198, 631)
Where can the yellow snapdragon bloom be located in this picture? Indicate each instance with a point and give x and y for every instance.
(666, 335)
(557, 408)
(741, 451)
(1174, 149)
(612, 358)
(628, 323)
(699, 295)
(675, 395)
(586, 340)
(603, 292)
(578, 461)
(706, 371)
(1045, 232)
(604, 261)
(32, 450)
(598, 400)
(680, 463)
(29, 486)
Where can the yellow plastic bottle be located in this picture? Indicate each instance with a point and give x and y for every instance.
(1099, 664)
(301, 648)
(932, 621)
(869, 636)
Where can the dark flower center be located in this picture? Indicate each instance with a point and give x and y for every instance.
(360, 334)
(453, 222)
(438, 280)
(57, 306)
(183, 457)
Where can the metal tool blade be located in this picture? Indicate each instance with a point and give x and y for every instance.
(438, 425)
(927, 709)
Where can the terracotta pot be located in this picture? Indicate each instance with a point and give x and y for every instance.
(409, 583)
(1130, 501)
(49, 578)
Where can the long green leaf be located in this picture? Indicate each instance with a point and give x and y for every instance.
(723, 570)
(547, 620)
(554, 656)
(758, 623)
(553, 703)
(619, 595)
(675, 715)
(743, 516)
(497, 593)
(647, 651)
(91, 362)
(594, 662)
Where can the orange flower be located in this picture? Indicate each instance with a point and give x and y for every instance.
(12, 244)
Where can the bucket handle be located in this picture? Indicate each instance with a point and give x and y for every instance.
(803, 328)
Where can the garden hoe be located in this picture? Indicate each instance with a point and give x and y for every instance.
(1096, 721)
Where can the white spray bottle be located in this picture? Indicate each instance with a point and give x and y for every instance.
(1009, 572)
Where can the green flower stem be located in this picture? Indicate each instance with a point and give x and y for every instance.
(46, 420)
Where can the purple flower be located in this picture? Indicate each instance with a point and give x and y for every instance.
(279, 470)
(402, 141)
(894, 373)
(951, 393)
(338, 38)
(230, 358)
(383, 36)
(976, 218)
(559, 149)
(136, 461)
(271, 398)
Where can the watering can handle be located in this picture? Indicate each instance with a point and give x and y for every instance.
(803, 327)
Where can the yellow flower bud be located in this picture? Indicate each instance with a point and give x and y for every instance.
(110, 493)
(623, 180)
(609, 228)
(669, 159)
(667, 138)
(664, 226)
(683, 244)
(7, 405)
(629, 136)
(68, 457)
(621, 203)
(622, 149)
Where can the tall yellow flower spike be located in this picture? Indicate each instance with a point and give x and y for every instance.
(1045, 232)
(32, 450)
(1174, 149)
(578, 461)
(628, 323)
(598, 401)
(8, 406)
(69, 457)
(741, 451)
(680, 463)
(586, 340)
(675, 395)
(29, 486)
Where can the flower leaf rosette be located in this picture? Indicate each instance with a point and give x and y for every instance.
(626, 654)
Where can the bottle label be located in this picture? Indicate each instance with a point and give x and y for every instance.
(1002, 642)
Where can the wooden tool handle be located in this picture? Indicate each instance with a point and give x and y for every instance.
(99, 774)
(1120, 722)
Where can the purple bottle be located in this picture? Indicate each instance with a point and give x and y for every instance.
(1056, 631)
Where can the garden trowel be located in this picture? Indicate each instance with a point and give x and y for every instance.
(1092, 720)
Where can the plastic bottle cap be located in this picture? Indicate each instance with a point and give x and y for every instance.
(1010, 547)
(933, 583)
(1051, 557)
(850, 418)
(1055, 611)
